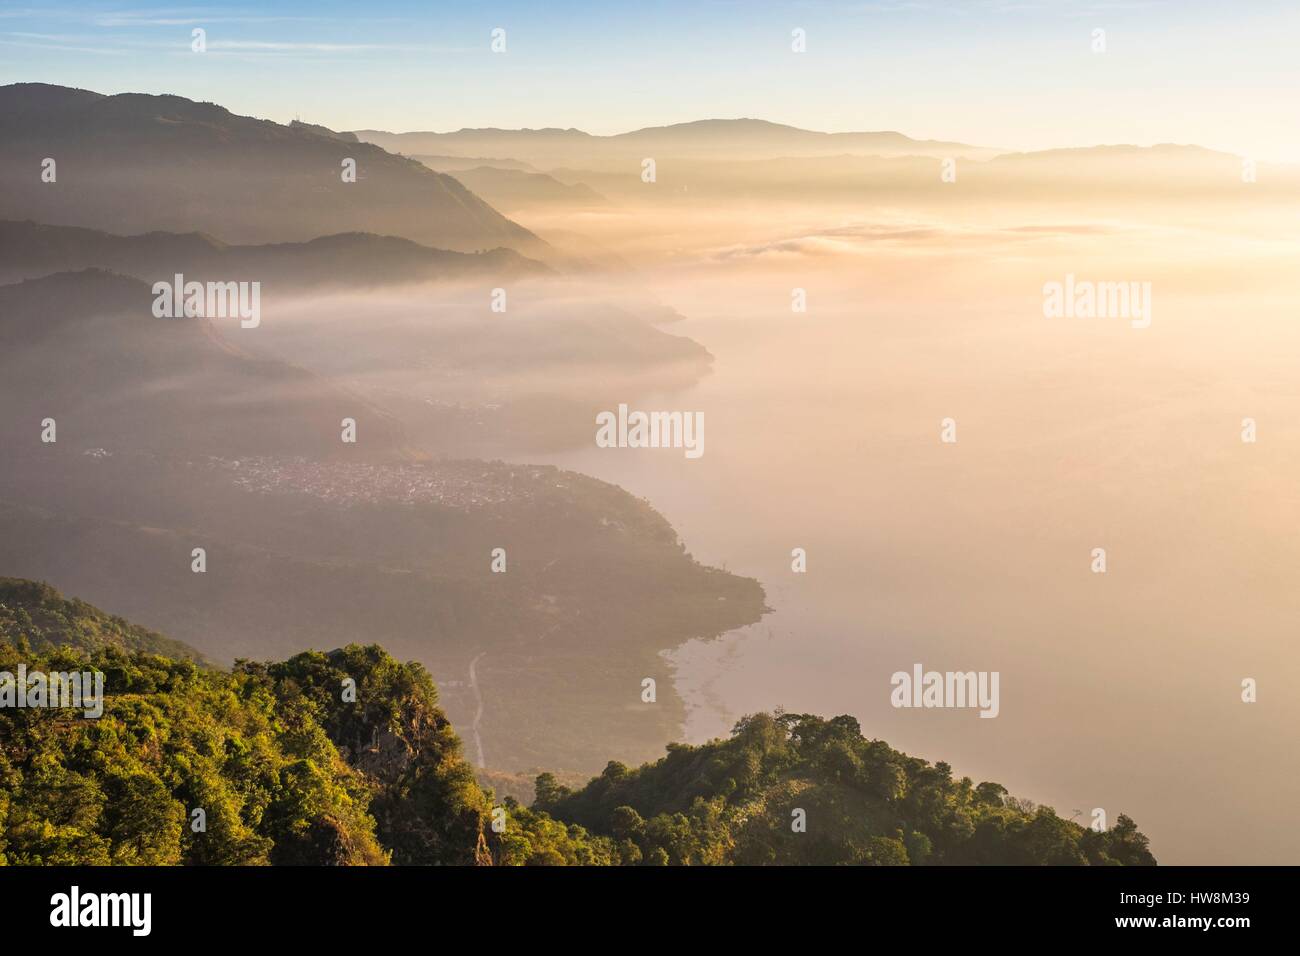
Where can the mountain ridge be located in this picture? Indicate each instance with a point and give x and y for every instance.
(715, 138)
(34, 614)
(29, 249)
(200, 164)
(86, 347)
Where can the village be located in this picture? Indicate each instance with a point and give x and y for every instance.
(462, 485)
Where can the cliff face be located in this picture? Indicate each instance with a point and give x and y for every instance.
(384, 719)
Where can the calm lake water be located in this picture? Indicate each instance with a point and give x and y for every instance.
(1119, 690)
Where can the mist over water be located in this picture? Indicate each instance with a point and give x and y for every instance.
(1118, 690)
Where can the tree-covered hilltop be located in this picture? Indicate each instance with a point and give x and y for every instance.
(346, 758)
(34, 612)
(426, 807)
(799, 789)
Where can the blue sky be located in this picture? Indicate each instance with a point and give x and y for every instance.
(1011, 73)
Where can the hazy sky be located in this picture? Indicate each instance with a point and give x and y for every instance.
(1012, 73)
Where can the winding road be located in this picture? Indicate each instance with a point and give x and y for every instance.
(478, 714)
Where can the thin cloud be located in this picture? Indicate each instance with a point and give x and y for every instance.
(33, 45)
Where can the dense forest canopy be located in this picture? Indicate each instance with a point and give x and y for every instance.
(345, 758)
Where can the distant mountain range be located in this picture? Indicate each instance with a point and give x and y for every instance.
(29, 250)
(753, 159)
(139, 163)
(1118, 174)
(703, 139)
(510, 189)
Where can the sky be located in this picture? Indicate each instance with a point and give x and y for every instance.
(1015, 74)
